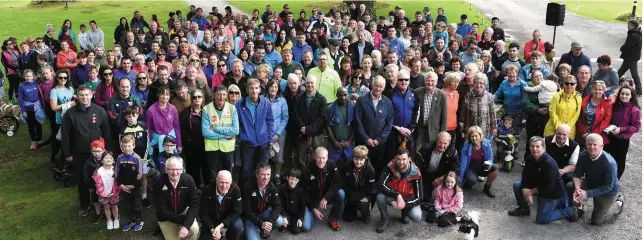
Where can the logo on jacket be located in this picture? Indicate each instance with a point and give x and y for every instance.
(164, 188)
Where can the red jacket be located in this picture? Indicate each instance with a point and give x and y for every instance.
(409, 185)
(529, 48)
(602, 120)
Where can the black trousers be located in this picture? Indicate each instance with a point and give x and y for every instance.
(83, 191)
(215, 162)
(196, 164)
(133, 199)
(534, 128)
(14, 82)
(633, 67)
(427, 181)
(618, 149)
(352, 208)
(376, 156)
(35, 128)
(54, 127)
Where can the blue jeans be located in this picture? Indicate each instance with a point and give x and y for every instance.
(549, 210)
(233, 233)
(252, 230)
(251, 156)
(338, 205)
(413, 212)
(307, 223)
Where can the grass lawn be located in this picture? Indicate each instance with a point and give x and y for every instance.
(453, 9)
(601, 9)
(32, 204)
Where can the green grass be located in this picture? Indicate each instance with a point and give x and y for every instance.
(453, 9)
(601, 10)
(106, 14)
(32, 204)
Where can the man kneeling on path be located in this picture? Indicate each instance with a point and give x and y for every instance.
(541, 177)
(400, 186)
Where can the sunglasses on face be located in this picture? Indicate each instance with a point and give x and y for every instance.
(197, 96)
(233, 93)
(194, 60)
(141, 78)
(405, 79)
(63, 78)
(221, 65)
(570, 83)
(108, 74)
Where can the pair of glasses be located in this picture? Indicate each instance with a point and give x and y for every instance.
(221, 65)
(197, 96)
(405, 79)
(141, 78)
(194, 60)
(169, 145)
(233, 93)
(570, 83)
(108, 74)
(63, 78)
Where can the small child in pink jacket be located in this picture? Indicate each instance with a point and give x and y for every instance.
(107, 190)
(448, 200)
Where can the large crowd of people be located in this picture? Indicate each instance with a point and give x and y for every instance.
(272, 121)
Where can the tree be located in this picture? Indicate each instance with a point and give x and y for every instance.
(370, 6)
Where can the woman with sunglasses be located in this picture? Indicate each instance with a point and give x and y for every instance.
(141, 90)
(195, 60)
(356, 86)
(60, 98)
(190, 119)
(564, 108)
(105, 89)
(595, 115)
(11, 62)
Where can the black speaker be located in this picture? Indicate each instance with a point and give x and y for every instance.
(555, 14)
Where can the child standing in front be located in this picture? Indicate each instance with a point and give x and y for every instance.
(137, 129)
(448, 200)
(30, 108)
(128, 175)
(89, 169)
(107, 190)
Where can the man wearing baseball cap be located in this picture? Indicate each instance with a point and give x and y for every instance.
(575, 58)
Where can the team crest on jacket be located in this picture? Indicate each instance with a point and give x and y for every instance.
(94, 118)
(164, 188)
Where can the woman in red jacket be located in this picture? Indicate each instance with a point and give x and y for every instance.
(595, 114)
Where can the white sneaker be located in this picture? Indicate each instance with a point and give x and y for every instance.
(117, 224)
(110, 225)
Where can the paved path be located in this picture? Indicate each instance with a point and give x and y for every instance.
(208, 4)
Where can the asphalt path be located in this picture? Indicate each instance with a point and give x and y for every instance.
(519, 19)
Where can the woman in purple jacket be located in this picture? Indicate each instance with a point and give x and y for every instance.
(626, 116)
(163, 119)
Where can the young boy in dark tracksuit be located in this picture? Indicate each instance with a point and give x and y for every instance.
(128, 175)
(358, 181)
(293, 202)
(131, 126)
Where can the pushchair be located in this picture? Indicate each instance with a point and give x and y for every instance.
(63, 172)
(506, 141)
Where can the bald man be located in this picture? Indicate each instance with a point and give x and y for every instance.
(564, 150)
(221, 208)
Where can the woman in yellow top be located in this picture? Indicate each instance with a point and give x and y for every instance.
(282, 42)
(564, 108)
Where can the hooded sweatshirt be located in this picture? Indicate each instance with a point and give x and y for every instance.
(27, 95)
(95, 38)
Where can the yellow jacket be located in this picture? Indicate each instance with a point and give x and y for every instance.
(564, 108)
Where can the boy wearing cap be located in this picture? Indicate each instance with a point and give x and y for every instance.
(94, 162)
(463, 27)
(297, 218)
(169, 145)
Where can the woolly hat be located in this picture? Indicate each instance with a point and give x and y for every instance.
(100, 143)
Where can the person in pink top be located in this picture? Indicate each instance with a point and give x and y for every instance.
(448, 200)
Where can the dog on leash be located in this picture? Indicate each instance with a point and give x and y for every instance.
(9, 109)
(469, 228)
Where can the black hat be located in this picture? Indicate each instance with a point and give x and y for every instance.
(463, 16)
(391, 13)
(168, 139)
(382, 17)
(333, 42)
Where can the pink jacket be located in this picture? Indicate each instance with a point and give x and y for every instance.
(99, 186)
(446, 201)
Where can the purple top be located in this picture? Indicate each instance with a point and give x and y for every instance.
(162, 120)
(628, 118)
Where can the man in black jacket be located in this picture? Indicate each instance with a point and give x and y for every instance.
(357, 49)
(438, 158)
(321, 181)
(177, 202)
(81, 125)
(540, 176)
(631, 53)
(309, 116)
(294, 91)
(358, 180)
(296, 217)
(221, 208)
(261, 205)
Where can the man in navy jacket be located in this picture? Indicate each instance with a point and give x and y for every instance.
(255, 127)
(374, 115)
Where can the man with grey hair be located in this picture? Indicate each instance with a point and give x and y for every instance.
(194, 82)
(540, 177)
(294, 91)
(429, 112)
(237, 76)
(391, 74)
(357, 49)
(320, 180)
(194, 36)
(600, 182)
(177, 202)
(374, 120)
(221, 208)
(438, 159)
(564, 151)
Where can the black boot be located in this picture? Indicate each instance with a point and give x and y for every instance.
(487, 190)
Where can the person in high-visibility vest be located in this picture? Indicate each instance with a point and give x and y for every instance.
(220, 125)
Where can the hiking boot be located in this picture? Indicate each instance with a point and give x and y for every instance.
(367, 219)
(138, 225)
(128, 225)
(620, 201)
(334, 224)
(83, 211)
(381, 227)
(574, 216)
(487, 190)
(519, 211)
(97, 218)
(146, 203)
(405, 219)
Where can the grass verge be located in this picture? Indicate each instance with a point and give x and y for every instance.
(601, 9)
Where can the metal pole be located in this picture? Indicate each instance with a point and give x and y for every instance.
(553, 42)
(469, 6)
(634, 10)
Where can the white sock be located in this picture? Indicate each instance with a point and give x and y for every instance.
(144, 195)
(458, 219)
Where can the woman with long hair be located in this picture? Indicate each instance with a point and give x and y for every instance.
(626, 116)
(105, 89)
(356, 85)
(279, 109)
(190, 119)
(141, 90)
(70, 31)
(60, 98)
(595, 114)
(121, 29)
(282, 42)
(11, 62)
(345, 69)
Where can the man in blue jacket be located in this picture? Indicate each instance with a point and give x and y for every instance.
(300, 47)
(199, 18)
(575, 58)
(374, 118)
(541, 177)
(600, 183)
(255, 128)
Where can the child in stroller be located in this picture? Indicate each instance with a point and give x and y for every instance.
(506, 143)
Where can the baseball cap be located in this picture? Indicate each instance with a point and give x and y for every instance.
(168, 139)
(577, 45)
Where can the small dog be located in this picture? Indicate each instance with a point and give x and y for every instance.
(469, 226)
